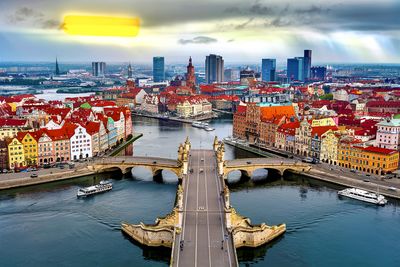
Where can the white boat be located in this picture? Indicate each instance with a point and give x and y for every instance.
(103, 186)
(363, 195)
(199, 124)
(209, 129)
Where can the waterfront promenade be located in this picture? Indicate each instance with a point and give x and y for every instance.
(204, 240)
(20, 179)
(333, 174)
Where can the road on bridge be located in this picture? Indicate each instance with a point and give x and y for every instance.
(205, 239)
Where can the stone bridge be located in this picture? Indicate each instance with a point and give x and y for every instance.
(155, 164)
(276, 166)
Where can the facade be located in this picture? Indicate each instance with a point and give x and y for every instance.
(285, 136)
(10, 127)
(295, 70)
(3, 155)
(303, 139)
(268, 69)
(214, 66)
(239, 123)
(158, 69)
(30, 144)
(329, 147)
(15, 153)
(374, 160)
(388, 134)
(307, 65)
(112, 133)
(316, 139)
(92, 129)
(80, 144)
(150, 104)
(103, 137)
(46, 151)
(98, 69)
(61, 144)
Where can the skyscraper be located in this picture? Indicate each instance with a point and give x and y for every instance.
(98, 68)
(214, 69)
(190, 77)
(295, 69)
(158, 69)
(268, 69)
(307, 65)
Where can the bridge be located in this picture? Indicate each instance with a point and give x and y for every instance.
(276, 166)
(155, 164)
(203, 228)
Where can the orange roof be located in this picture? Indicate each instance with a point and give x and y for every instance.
(268, 113)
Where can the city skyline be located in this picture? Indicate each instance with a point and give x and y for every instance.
(337, 32)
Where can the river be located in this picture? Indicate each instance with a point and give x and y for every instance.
(47, 225)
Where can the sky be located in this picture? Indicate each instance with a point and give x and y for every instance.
(242, 31)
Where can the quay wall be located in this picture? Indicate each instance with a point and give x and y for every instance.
(150, 236)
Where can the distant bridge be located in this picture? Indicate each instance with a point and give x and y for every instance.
(278, 166)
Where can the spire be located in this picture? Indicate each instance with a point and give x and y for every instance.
(57, 68)
(190, 61)
(129, 70)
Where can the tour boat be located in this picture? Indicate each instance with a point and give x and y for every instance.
(209, 129)
(363, 195)
(199, 124)
(94, 189)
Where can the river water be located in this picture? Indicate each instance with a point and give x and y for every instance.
(47, 225)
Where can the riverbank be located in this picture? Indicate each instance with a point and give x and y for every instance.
(165, 118)
(332, 174)
(14, 180)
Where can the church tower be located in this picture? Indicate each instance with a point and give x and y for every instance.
(129, 71)
(190, 77)
(57, 68)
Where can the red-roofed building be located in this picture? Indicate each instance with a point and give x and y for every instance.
(10, 127)
(285, 136)
(239, 122)
(369, 159)
(391, 107)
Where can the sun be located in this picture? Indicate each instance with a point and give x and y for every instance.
(101, 26)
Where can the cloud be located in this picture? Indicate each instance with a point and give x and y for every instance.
(27, 15)
(244, 24)
(198, 40)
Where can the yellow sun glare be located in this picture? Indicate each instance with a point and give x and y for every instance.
(100, 26)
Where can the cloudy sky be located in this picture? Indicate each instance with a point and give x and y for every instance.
(240, 30)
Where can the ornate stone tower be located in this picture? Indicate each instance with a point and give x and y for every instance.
(190, 77)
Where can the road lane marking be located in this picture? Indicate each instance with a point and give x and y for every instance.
(208, 222)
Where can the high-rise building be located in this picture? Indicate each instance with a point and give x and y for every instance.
(158, 69)
(318, 73)
(129, 71)
(190, 77)
(295, 68)
(57, 68)
(307, 65)
(98, 68)
(268, 69)
(231, 75)
(214, 69)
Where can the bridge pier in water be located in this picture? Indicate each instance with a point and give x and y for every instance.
(203, 228)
